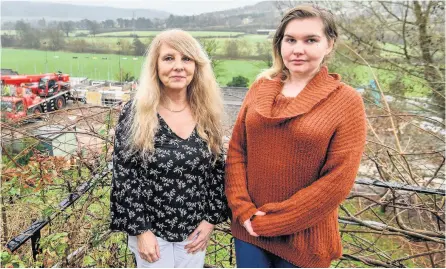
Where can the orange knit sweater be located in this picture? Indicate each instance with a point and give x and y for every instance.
(297, 165)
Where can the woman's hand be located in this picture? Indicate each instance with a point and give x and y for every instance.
(248, 226)
(148, 247)
(204, 232)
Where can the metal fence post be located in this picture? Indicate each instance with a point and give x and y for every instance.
(35, 244)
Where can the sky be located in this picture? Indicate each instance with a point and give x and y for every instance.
(176, 7)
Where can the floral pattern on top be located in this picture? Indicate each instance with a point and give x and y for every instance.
(169, 193)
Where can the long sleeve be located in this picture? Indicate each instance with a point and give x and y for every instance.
(217, 207)
(237, 194)
(312, 204)
(130, 189)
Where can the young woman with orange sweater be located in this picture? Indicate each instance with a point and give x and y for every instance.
(295, 151)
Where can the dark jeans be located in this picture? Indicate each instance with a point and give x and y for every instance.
(251, 256)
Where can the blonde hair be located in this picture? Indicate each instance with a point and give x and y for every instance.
(298, 12)
(203, 94)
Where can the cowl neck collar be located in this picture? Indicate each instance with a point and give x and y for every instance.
(318, 89)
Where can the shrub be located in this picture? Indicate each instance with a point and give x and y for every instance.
(239, 81)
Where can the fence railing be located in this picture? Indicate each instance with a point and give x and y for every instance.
(33, 232)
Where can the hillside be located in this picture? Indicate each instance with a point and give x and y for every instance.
(15, 10)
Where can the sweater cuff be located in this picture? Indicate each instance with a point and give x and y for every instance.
(257, 226)
(261, 225)
(247, 215)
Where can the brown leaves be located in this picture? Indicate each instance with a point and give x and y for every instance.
(39, 171)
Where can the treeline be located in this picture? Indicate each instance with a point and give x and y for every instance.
(238, 22)
(55, 38)
(92, 25)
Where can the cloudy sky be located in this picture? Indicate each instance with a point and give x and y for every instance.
(177, 7)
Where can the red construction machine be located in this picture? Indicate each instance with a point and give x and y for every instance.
(24, 102)
(43, 85)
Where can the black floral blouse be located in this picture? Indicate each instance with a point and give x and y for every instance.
(172, 191)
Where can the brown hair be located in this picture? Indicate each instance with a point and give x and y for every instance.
(299, 12)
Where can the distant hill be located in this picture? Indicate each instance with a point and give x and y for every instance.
(16, 10)
(261, 7)
(245, 19)
(248, 18)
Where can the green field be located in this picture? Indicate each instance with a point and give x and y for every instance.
(106, 66)
(111, 42)
(95, 66)
(248, 42)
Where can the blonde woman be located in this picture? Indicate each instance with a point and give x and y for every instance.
(168, 187)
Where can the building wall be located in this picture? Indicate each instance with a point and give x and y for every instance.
(233, 99)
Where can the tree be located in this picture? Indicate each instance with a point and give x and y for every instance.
(125, 47)
(126, 76)
(211, 47)
(120, 22)
(232, 49)
(93, 27)
(264, 51)
(402, 37)
(143, 23)
(138, 47)
(239, 81)
(8, 40)
(77, 45)
(41, 23)
(67, 27)
(55, 38)
(83, 24)
(22, 27)
(108, 24)
(27, 36)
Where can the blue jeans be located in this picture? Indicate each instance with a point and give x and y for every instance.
(251, 256)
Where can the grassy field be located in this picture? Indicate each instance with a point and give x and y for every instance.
(361, 76)
(234, 68)
(111, 42)
(95, 66)
(105, 66)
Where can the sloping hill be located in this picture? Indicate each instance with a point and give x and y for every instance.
(14, 10)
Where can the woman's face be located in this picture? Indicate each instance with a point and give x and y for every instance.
(175, 70)
(304, 46)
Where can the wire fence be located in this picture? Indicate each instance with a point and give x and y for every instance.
(56, 184)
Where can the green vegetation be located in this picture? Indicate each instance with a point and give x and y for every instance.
(110, 40)
(95, 66)
(360, 76)
(105, 66)
(238, 81)
(233, 68)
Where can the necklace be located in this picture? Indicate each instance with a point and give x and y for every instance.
(175, 111)
(171, 110)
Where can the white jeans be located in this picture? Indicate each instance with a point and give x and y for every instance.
(173, 255)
